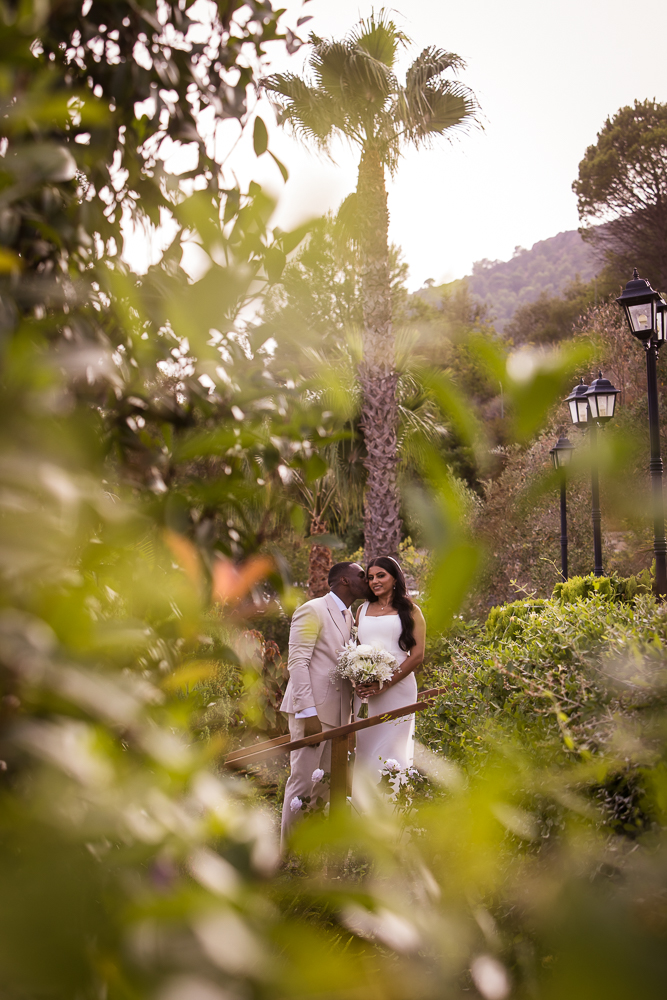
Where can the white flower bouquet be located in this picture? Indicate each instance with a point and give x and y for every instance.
(364, 664)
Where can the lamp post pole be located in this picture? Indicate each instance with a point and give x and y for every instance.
(563, 526)
(646, 313)
(655, 466)
(561, 454)
(596, 513)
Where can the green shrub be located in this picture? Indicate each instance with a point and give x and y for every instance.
(567, 667)
(614, 587)
(578, 677)
(505, 621)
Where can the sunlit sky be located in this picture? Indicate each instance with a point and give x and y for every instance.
(547, 74)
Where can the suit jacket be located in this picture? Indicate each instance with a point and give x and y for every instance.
(317, 635)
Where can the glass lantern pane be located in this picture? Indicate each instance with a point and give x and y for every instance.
(641, 319)
(593, 403)
(661, 324)
(603, 403)
(564, 456)
(573, 411)
(582, 407)
(611, 403)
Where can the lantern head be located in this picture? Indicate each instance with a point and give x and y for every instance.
(561, 453)
(601, 396)
(640, 302)
(578, 404)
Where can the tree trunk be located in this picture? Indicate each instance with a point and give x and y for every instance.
(319, 561)
(377, 374)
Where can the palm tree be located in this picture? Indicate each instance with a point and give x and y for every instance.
(353, 92)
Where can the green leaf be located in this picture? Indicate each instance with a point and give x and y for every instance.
(274, 263)
(453, 404)
(289, 241)
(232, 204)
(537, 381)
(281, 166)
(313, 467)
(260, 138)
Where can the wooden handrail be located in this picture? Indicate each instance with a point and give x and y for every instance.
(243, 751)
(282, 744)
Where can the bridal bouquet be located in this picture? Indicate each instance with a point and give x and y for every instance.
(365, 663)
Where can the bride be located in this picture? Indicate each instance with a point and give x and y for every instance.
(390, 619)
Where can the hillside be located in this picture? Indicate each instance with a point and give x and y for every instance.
(549, 266)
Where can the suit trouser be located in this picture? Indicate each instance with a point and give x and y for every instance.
(302, 764)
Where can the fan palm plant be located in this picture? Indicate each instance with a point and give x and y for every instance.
(353, 92)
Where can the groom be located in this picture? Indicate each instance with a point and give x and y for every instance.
(313, 701)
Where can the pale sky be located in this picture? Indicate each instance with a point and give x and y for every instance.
(547, 73)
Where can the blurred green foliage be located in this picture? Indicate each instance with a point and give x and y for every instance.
(192, 411)
(317, 302)
(151, 454)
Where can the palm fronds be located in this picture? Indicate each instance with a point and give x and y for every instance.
(379, 36)
(311, 112)
(352, 91)
(430, 63)
(431, 104)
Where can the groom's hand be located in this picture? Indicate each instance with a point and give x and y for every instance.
(313, 726)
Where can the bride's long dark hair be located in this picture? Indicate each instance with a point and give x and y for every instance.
(400, 600)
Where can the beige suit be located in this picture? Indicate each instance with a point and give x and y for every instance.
(317, 635)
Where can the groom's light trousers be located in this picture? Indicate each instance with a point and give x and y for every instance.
(302, 764)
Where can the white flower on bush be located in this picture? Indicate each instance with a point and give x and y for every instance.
(401, 783)
(296, 804)
(317, 774)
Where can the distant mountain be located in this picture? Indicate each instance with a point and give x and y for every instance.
(549, 266)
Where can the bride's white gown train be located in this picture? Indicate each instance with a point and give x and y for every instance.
(393, 740)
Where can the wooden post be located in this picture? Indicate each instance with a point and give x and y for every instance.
(338, 772)
(351, 748)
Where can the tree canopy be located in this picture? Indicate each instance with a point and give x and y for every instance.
(623, 182)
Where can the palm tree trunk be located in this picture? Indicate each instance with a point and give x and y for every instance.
(377, 374)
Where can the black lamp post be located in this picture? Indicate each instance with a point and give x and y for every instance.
(601, 396)
(591, 405)
(561, 455)
(646, 314)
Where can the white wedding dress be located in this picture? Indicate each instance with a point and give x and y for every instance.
(393, 740)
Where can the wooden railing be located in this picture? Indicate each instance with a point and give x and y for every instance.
(340, 737)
